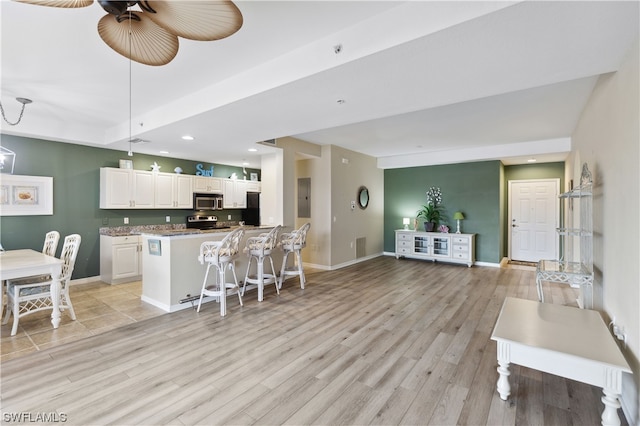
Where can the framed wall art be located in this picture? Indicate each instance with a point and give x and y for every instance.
(26, 195)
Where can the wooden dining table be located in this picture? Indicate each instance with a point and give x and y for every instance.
(26, 263)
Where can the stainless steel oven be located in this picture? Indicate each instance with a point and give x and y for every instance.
(207, 201)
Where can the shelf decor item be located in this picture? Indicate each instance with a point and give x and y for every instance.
(432, 211)
(458, 216)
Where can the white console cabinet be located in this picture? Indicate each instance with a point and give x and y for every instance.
(455, 248)
(120, 258)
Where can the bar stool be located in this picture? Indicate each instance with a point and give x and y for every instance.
(293, 242)
(221, 255)
(259, 248)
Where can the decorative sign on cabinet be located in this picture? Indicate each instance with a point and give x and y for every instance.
(455, 248)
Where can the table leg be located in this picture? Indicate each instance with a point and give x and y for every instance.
(55, 301)
(504, 389)
(611, 405)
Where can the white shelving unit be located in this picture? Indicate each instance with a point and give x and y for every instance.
(575, 266)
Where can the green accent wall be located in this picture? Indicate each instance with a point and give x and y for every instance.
(472, 188)
(76, 193)
(479, 190)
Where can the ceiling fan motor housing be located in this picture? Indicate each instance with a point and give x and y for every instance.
(116, 8)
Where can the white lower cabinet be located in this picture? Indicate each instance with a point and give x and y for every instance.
(456, 248)
(120, 259)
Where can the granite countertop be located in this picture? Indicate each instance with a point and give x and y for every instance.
(169, 230)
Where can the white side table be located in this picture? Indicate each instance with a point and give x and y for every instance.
(562, 340)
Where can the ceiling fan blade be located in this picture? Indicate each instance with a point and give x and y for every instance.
(59, 3)
(195, 20)
(150, 43)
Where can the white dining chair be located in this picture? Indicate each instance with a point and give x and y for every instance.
(220, 255)
(259, 249)
(25, 296)
(51, 243)
(293, 243)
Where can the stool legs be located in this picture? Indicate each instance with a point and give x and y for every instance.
(260, 278)
(300, 272)
(221, 294)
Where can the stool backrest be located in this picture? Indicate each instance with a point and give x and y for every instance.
(221, 251)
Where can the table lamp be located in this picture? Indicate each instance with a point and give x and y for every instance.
(458, 216)
(405, 222)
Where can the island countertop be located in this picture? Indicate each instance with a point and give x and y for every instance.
(171, 271)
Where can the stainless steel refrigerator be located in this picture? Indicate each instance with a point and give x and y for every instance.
(251, 215)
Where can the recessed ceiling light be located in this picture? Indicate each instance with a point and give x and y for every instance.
(252, 150)
(531, 160)
(188, 138)
(245, 163)
(164, 152)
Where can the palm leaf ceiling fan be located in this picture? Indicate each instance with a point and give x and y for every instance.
(155, 28)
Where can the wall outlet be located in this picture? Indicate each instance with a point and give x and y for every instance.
(105, 220)
(228, 217)
(168, 219)
(126, 220)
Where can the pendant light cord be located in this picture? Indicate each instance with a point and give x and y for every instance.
(130, 153)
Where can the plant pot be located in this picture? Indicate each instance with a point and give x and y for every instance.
(429, 226)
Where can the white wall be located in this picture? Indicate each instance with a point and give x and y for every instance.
(607, 138)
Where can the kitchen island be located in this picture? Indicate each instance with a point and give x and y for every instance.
(171, 271)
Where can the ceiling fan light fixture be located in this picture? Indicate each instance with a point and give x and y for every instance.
(24, 102)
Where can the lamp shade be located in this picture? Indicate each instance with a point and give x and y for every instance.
(405, 220)
(458, 216)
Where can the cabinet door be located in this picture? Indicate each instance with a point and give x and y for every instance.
(126, 260)
(206, 184)
(235, 194)
(441, 246)
(183, 192)
(143, 189)
(164, 191)
(422, 244)
(253, 186)
(115, 188)
(241, 194)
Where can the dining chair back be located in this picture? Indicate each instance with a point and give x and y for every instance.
(25, 297)
(220, 255)
(51, 243)
(293, 243)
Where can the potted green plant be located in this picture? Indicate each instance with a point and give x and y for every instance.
(431, 212)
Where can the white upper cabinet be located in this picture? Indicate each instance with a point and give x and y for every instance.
(126, 189)
(206, 184)
(139, 189)
(235, 194)
(173, 191)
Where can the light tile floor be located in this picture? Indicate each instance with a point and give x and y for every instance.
(99, 307)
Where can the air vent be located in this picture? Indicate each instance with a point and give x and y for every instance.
(138, 141)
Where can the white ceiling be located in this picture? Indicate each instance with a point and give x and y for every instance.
(422, 81)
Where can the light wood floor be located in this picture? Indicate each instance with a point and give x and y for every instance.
(383, 342)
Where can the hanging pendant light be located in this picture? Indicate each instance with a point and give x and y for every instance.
(24, 102)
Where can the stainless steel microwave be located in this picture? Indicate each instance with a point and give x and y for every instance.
(207, 201)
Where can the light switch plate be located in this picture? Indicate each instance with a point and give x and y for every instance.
(168, 219)
(126, 220)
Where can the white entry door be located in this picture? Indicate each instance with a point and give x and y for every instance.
(533, 218)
